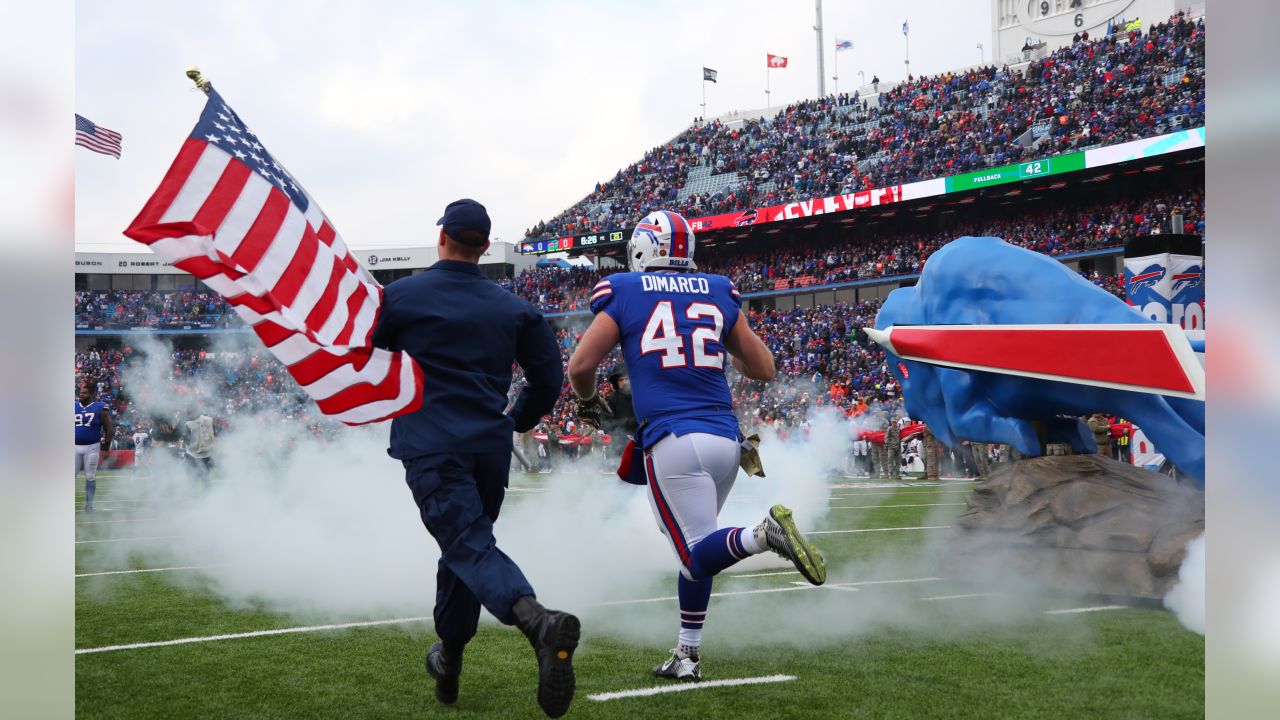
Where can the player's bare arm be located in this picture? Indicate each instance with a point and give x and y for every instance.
(108, 429)
(749, 354)
(593, 348)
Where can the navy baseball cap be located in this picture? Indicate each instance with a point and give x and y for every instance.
(465, 214)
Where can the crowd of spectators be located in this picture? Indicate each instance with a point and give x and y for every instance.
(246, 384)
(1053, 231)
(552, 289)
(823, 361)
(115, 309)
(1096, 91)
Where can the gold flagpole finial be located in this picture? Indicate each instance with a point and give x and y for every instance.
(200, 80)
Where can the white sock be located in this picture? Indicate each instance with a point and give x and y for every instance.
(753, 540)
(689, 649)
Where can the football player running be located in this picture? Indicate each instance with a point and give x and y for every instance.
(676, 326)
(94, 430)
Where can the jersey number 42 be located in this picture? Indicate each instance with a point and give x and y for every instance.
(661, 336)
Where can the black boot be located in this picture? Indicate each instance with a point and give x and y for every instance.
(445, 665)
(554, 637)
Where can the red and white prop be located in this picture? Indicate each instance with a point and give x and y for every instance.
(1149, 358)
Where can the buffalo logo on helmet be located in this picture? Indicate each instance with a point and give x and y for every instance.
(661, 240)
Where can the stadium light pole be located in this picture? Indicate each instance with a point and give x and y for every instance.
(817, 28)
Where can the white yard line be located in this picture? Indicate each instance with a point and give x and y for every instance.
(845, 588)
(372, 623)
(256, 633)
(898, 581)
(668, 598)
(1094, 608)
(685, 687)
(143, 570)
(106, 522)
(876, 494)
(109, 540)
(956, 597)
(797, 586)
(763, 574)
(866, 530)
(878, 507)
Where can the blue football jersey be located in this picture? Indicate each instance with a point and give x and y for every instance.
(89, 422)
(673, 326)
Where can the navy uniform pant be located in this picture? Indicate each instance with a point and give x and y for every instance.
(459, 496)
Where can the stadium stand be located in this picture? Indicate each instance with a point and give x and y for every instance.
(1054, 231)
(1102, 91)
(552, 289)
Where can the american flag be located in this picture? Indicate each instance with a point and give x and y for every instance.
(96, 137)
(230, 214)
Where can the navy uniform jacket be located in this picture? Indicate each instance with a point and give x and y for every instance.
(466, 332)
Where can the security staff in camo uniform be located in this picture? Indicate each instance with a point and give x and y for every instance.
(932, 453)
(892, 446)
(878, 469)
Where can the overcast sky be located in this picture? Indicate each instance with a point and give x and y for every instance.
(386, 111)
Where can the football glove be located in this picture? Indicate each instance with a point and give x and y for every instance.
(749, 457)
(589, 411)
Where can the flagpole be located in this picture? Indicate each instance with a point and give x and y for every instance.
(906, 37)
(835, 68)
(704, 95)
(767, 69)
(199, 79)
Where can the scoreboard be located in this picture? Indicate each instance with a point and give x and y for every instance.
(610, 238)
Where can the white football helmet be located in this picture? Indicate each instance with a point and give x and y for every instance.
(662, 240)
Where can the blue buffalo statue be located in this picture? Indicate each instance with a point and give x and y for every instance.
(986, 281)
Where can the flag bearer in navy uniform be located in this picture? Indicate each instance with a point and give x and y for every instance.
(466, 332)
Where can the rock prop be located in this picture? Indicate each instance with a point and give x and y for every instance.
(1079, 523)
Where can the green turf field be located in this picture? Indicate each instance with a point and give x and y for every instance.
(938, 649)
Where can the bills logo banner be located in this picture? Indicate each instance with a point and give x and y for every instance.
(1167, 288)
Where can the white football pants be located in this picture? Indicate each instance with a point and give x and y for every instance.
(87, 460)
(689, 479)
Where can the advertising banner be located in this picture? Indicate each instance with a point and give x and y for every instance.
(1164, 279)
(1145, 148)
(1014, 173)
(799, 209)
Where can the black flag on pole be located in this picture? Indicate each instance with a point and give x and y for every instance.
(709, 74)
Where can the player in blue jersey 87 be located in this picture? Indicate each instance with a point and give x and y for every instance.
(93, 436)
(676, 326)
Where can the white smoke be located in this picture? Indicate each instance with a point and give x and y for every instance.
(1186, 599)
(327, 530)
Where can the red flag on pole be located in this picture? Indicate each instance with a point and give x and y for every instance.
(777, 61)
